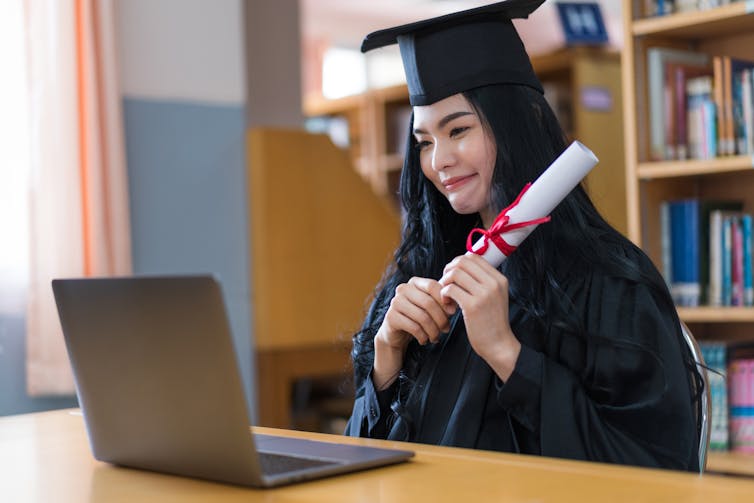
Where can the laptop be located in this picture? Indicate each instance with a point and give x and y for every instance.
(158, 384)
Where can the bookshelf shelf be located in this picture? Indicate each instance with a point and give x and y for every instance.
(672, 169)
(716, 314)
(731, 462)
(725, 20)
(319, 105)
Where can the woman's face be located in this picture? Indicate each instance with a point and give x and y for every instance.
(456, 153)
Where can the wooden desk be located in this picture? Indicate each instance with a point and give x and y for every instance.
(45, 457)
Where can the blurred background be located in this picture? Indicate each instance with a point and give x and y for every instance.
(250, 140)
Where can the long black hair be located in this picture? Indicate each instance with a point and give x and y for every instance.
(528, 138)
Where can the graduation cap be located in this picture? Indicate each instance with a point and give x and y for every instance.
(449, 54)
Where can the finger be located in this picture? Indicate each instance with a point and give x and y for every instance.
(400, 322)
(427, 296)
(428, 286)
(457, 295)
(461, 278)
(420, 315)
(433, 288)
(474, 265)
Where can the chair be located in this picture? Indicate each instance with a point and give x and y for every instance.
(703, 405)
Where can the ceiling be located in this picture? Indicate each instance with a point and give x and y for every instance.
(345, 22)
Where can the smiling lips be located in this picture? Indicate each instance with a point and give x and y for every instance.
(456, 182)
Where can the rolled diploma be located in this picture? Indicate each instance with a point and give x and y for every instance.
(543, 196)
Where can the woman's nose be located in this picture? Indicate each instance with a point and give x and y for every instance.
(442, 156)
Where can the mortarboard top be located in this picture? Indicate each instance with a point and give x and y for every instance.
(449, 54)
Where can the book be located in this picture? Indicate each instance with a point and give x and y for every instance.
(717, 66)
(710, 247)
(741, 105)
(676, 134)
(737, 263)
(747, 117)
(685, 286)
(727, 260)
(702, 135)
(657, 60)
(748, 276)
(741, 401)
(665, 242)
(714, 354)
(727, 136)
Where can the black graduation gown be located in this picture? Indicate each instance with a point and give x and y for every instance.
(619, 393)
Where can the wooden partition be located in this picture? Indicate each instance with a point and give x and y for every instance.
(320, 240)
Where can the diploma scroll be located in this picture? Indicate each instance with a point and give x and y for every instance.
(537, 201)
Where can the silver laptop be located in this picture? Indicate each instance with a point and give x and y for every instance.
(158, 383)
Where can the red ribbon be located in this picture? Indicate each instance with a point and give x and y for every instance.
(500, 226)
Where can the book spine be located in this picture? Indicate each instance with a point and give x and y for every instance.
(714, 354)
(717, 75)
(656, 115)
(748, 277)
(694, 99)
(691, 210)
(710, 135)
(727, 101)
(739, 124)
(741, 374)
(746, 105)
(684, 239)
(737, 276)
(669, 112)
(726, 261)
(665, 241)
(681, 148)
(715, 295)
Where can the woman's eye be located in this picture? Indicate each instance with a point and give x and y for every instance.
(421, 145)
(458, 130)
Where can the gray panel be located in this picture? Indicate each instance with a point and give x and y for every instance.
(186, 167)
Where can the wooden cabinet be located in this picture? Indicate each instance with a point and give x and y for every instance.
(727, 30)
(583, 82)
(320, 241)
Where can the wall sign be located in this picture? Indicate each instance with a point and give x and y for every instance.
(582, 23)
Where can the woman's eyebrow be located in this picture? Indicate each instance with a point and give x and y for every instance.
(445, 120)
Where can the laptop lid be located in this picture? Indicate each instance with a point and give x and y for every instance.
(158, 383)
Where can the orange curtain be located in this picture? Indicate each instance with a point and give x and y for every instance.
(79, 221)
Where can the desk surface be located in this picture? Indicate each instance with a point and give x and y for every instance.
(45, 457)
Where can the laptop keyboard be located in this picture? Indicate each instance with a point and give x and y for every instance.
(273, 464)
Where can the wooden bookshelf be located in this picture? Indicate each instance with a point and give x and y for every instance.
(374, 130)
(380, 122)
(725, 30)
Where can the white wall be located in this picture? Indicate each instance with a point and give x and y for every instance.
(183, 50)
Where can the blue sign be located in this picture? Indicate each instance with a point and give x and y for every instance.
(582, 23)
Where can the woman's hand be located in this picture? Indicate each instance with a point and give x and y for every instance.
(482, 293)
(416, 312)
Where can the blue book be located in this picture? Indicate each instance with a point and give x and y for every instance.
(684, 242)
(715, 356)
(747, 272)
(727, 261)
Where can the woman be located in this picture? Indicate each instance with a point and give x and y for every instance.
(571, 349)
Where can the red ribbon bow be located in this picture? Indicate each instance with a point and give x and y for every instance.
(500, 226)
